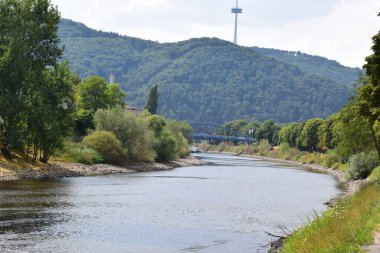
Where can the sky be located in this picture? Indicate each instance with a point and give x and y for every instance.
(336, 29)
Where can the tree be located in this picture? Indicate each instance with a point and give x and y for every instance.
(308, 137)
(93, 94)
(369, 93)
(351, 132)
(29, 54)
(326, 135)
(51, 108)
(115, 95)
(152, 101)
(268, 131)
(289, 134)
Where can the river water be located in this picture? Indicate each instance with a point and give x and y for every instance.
(223, 207)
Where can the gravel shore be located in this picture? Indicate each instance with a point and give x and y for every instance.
(63, 169)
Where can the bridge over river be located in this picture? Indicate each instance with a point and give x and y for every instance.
(208, 132)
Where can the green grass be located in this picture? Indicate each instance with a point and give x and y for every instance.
(74, 152)
(330, 159)
(343, 228)
(375, 175)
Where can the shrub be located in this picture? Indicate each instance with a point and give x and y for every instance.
(166, 147)
(330, 159)
(80, 153)
(375, 175)
(310, 158)
(132, 130)
(108, 146)
(361, 165)
(263, 147)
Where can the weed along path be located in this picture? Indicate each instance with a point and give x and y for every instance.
(226, 206)
(374, 248)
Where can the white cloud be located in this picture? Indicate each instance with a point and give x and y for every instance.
(337, 29)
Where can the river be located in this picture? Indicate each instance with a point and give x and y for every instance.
(223, 207)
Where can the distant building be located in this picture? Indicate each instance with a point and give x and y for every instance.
(134, 110)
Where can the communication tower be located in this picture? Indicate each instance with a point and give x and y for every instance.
(236, 11)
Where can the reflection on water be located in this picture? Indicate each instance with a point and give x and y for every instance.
(224, 207)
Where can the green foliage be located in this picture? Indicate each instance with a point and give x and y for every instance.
(308, 137)
(132, 130)
(289, 134)
(166, 147)
(263, 147)
(314, 64)
(375, 175)
(107, 145)
(352, 132)
(170, 142)
(326, 134)
(369, 93)
(184, 128)
(152, 102)
(362, 164)
(205, 80)
(80, 153)
(268, 131)
(331, 159)
(93, 94)
(36, 92)
(344, 228)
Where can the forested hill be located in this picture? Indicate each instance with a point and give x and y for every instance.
(314, 64)
(203, 80)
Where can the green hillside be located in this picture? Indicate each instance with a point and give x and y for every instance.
(203, 80)
(314, 64)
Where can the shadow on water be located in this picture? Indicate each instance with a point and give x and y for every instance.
(25, 205)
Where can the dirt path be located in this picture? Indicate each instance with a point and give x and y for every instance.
(374, 248)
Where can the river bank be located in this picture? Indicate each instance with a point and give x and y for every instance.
(349, 186)
(53, 170)
(351, 221)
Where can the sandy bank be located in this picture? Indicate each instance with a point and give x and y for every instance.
(63, 169)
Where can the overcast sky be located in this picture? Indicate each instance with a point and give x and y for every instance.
(337, 29)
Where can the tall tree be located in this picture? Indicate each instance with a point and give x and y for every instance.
(369, 93)
(93, 94)
(29, 44)
(152, 101)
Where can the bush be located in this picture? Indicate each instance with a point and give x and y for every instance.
(361, 165)
(263, 147)
(132, 130)
(108, 146)
(310, 158)
(375, 175)
(80, 153)
(166, 147)
(330, 159)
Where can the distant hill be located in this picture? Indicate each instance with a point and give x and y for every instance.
(206, 80)
(317, 65)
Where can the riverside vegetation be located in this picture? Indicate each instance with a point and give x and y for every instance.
(44, 106)
(347, 141)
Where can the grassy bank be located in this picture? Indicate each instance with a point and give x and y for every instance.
(329, 160)
(350, 224)
(346, 227)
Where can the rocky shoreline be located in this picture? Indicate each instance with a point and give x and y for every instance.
(56, 170)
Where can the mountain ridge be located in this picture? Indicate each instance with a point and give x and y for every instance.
(203, 79)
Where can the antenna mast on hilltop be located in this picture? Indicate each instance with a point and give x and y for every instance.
(236, 11)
